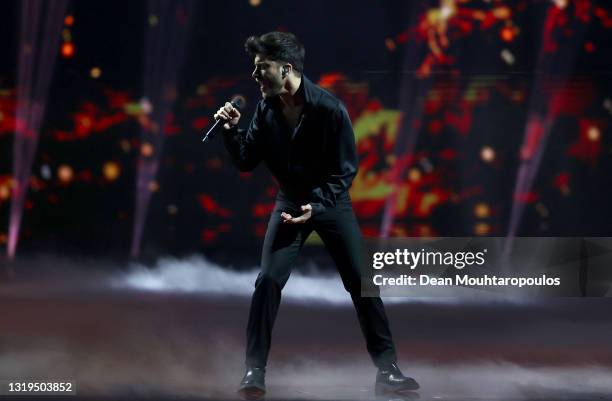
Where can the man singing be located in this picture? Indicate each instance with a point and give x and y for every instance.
(304, 135)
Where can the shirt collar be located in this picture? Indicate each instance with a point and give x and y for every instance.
(311, 93)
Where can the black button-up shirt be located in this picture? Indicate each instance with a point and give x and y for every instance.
(316, 162)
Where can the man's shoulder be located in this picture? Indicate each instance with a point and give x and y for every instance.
(326, 101)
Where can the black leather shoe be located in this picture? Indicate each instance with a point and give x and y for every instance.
(253, 384)
(390, 379)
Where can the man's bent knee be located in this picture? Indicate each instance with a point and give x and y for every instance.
(267, 280)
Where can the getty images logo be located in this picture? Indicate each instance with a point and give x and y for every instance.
(412, 260)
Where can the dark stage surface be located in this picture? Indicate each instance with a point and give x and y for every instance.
(127, 343)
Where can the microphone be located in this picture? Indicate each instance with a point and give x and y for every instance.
(237, 103)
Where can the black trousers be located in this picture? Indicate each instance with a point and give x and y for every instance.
(339, 230)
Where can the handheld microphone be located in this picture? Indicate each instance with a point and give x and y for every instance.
(237, 103)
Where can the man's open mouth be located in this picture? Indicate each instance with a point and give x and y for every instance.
(262, 86)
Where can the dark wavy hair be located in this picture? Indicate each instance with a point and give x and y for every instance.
(278, 46)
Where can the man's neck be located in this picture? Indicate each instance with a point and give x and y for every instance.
(291, 97)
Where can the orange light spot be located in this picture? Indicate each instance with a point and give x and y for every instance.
(502, 12)
(85, 122)
(65, 173)
(67, 49)
(594, 134)
(95, 72)
(153, 186)
(111, 171)
(487, 154)
(482, 229)
(507, 34)
(414, 174)
(147, 149)
(5, 192)
(482, 210)
(390, 44)
(69, 20)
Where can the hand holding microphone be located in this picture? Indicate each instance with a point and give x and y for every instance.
(228, 115)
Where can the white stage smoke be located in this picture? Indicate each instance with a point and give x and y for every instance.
(199, 276)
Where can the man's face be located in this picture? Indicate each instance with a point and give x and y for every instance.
(268, 74)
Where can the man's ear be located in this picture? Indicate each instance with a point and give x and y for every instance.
(286, 69)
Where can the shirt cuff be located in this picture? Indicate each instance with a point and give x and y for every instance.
(232, 130)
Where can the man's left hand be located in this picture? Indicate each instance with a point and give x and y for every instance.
(306, 214)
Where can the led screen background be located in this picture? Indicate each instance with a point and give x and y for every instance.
(471, 118)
